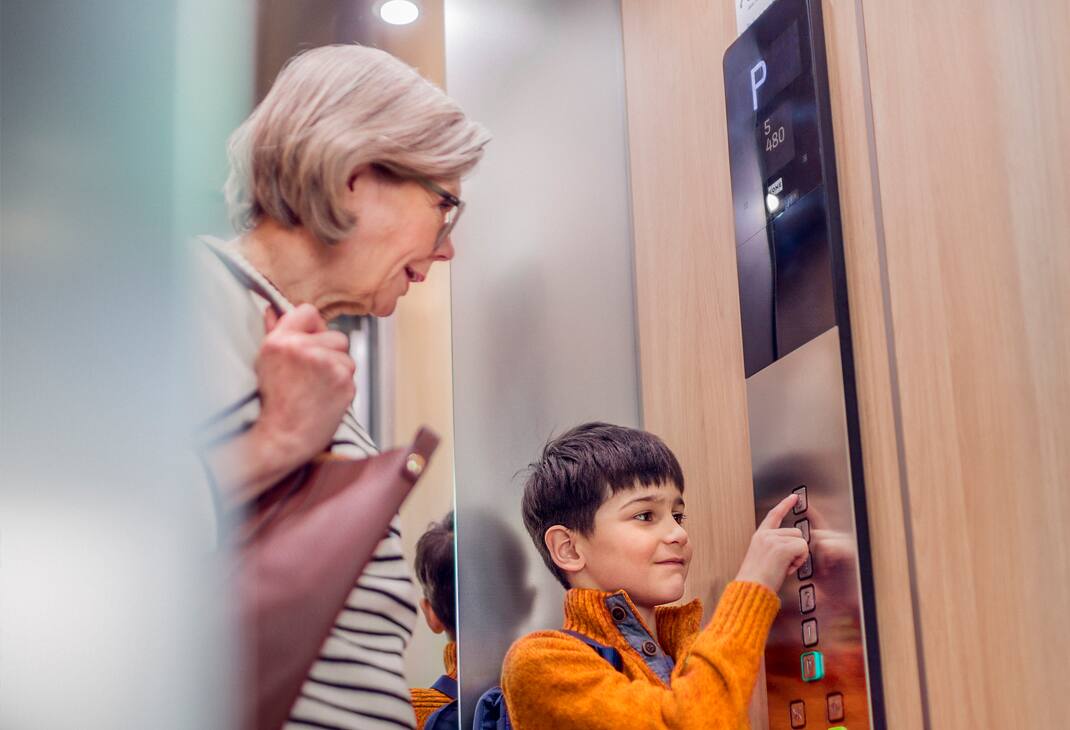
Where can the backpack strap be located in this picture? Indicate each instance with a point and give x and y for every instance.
(608, 653)
(444, 718)
(447, 685)
(491, 713)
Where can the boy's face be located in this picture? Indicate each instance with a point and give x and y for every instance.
(639, 544)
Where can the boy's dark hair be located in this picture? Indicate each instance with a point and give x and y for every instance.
(435, 570)
(584, 467)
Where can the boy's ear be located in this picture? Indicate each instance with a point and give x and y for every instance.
(433, 621)
(562, 547)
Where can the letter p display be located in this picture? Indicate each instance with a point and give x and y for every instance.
(755, 82)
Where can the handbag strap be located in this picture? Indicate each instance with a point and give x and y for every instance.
(246, 279)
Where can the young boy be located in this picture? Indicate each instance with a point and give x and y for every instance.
(435, 571)
(605, 507)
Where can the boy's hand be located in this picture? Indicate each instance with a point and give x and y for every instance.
(774, 551)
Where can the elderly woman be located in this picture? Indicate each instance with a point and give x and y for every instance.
(345, 186)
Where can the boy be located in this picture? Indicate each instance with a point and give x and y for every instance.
(604, 505)
(435, 570)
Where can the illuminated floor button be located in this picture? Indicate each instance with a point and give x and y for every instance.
(797, 713)
(807, 599)
(806, 570)
(804, 525)
(809, 632)
(834, 705)
(838, 727)
(800, 503)
(813, 666)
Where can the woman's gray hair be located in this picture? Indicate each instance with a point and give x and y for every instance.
(331, 111)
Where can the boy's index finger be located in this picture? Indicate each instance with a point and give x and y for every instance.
(778, 513)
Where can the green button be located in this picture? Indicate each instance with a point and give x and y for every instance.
(813, 666)
(838, 727)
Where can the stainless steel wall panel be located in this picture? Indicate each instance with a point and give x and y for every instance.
(543, 307)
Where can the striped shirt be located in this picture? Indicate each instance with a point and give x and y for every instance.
(358, 681)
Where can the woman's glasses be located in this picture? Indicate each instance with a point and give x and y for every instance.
(450, 214)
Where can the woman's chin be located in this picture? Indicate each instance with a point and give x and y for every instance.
(339, 310)
(384, 309)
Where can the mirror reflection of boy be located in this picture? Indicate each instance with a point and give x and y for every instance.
(435, 571)
(605, 507)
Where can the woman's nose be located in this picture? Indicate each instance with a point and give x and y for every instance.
(446, 251)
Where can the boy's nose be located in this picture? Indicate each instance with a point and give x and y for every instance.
(677, 534)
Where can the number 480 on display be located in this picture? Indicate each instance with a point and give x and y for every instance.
(773, 137)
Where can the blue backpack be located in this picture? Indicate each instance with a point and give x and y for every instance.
(445, 717)
(491, 712)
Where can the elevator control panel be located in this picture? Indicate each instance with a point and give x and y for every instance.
(822, 658)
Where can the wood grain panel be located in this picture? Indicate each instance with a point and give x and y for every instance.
(859, 212)
(969, 104)
(687, 304)
(686, 292)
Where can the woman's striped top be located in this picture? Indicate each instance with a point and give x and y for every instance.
(358, 680)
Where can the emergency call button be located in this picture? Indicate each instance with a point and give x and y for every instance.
(813, 666)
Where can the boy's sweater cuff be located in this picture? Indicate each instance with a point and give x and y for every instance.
(745, 613)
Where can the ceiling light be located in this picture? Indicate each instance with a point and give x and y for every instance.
(399, 12)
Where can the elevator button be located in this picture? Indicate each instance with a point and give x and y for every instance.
(813, 666)
(807, 569)
(804, 526)
(800, 503)
(807, 599)
(797, 712)
(809, 632)
(834, 705)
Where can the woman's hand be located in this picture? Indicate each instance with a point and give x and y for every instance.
(305, 377)
(774, 551)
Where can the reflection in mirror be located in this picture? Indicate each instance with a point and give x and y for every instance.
(543, 328)
(436, 706)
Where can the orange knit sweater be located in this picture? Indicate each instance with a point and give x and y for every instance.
(426, 701)
(553, 680)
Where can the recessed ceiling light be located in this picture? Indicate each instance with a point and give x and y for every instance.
(399, 12)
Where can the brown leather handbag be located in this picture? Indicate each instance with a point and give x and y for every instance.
(298, 553)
